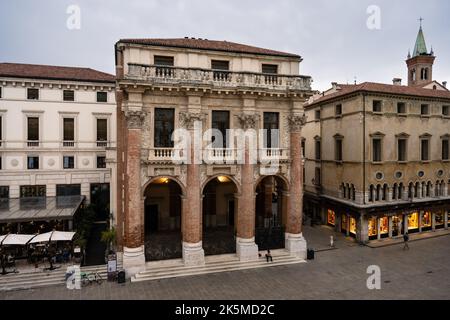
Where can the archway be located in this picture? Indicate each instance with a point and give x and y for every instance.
(219, 216)
(271, 213)
(162, 219)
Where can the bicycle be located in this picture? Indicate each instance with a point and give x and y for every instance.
(89, 278)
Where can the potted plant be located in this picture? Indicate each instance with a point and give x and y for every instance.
(109, 237)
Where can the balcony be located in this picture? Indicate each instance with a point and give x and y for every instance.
(68, 143)
(273, 154)
(102, 144)
(32, 143)
(164, 154)
(226, 79)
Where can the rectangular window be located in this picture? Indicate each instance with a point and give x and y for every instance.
(102, 96)
(33, 191)
(32, 94)
(338, 110)
(317, 177)
(445, 150)
(164, 126)
(270, 68)
(33, 163)
(338, 149)
(1, 93)
(33, 128)
(401, 108)
(63, 190)
(401, 149)
(424, 150)
(68, 162)
(102, 132)
(446, 110)
(424, 109)
(317, 151)
(376, 106)
(164, 61)
(376, 150)
(331, 217)
(69, 129)
(69, 95)
(101, 162)
(303, 148)
(4, 192)
(317, 115)
(221, 122)
(221, 69)
(271, 129)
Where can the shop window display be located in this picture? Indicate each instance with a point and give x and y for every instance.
(397, 225)
(413, 222)
(331, 218)
(344, 223)
(426, 220)
(373, 228)
(353, 226)
(384, 227)
(439, 220)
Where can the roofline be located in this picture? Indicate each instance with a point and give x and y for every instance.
(368, 92)
(56, 78)
(285, 55)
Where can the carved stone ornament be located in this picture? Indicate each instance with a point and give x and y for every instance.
(296, 122)
(248, 121)
(188, 119)
(134, 118)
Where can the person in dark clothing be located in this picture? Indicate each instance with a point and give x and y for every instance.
(405, 240)
(269, 256)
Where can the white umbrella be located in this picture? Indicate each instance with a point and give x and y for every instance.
(62, 236)
(43, 237)
(53, 236)
(17, 239)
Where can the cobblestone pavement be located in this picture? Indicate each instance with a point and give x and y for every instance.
(423, 272)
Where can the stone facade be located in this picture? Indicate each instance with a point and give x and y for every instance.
(193, 91)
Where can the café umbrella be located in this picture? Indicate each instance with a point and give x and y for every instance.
(17, 239)
(53, 236)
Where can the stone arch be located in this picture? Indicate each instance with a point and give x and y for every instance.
(211, 178)
(283, 178)
(153, 179)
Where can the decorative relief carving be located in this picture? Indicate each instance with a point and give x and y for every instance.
(85, 162)
(14, 162)
(296, 122)
(51, 162)
(134, 118)
(248, 121)
(187, 119)
(285, 138)
(256, 173)
(203, 175)
(238, 175)
(183, 174)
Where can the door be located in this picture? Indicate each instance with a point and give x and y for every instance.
(231, 212)
(151, 218)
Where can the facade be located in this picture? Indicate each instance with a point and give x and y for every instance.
(377, 155)
(210, 202)
(56, 126)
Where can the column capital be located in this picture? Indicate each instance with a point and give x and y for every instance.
(248, 121)
(135, 118)
(296, 122)
(187, 119)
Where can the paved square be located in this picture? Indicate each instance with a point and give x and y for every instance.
(423, 272)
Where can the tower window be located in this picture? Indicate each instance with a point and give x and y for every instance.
(424, 109)
(376, 106)
(338, 110)
(401, 108)
(445, 110)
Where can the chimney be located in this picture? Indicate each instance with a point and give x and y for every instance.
(444, 83)
(334, 85)
(397, 82)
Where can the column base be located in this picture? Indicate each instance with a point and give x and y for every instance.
(193, 254)
(296, 245)
(246, 249)
(133, 260)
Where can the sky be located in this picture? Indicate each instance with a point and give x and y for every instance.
(339, 40)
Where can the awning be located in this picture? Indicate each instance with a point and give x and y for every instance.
(43, 237)
(39, 209)
(53, 236)
(16, 239)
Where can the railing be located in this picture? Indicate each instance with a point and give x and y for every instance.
(68, 143)
(102, 144)
(230, 79)
(32, 143)
(42, 145)
(271, 154)
(164, 154)
(220, 155)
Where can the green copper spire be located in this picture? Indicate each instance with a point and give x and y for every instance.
(420, 48)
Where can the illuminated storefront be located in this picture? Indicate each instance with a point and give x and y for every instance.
(384, 227)
(344, 223)
(331, 218)
(397, 225)
(373, 228)
(413, 222)
(426, 221)
(352, 226)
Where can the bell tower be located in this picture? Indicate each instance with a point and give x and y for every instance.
(420, 64)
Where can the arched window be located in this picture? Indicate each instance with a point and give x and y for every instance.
(371, 193)
(394, 191)
(378, 193)
(429, 186)
(416, 190)
(353, 193)
(410, 190)
(385, 192)
(400, 191)
(413, 74)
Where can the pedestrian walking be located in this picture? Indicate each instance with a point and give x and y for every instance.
(405, 240)
(269, 256)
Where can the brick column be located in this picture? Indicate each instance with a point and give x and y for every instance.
(193, 253)
(134, 254)
(246, 248)
(295, 243)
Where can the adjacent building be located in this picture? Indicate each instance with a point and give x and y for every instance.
(57, 125)
(209, 203)
(377, 155)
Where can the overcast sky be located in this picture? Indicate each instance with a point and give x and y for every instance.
(331, 36)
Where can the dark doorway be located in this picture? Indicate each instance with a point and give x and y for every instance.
(231, 212)
(151, 218)
(100, 200)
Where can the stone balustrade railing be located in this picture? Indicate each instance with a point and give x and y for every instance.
(227, 79)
